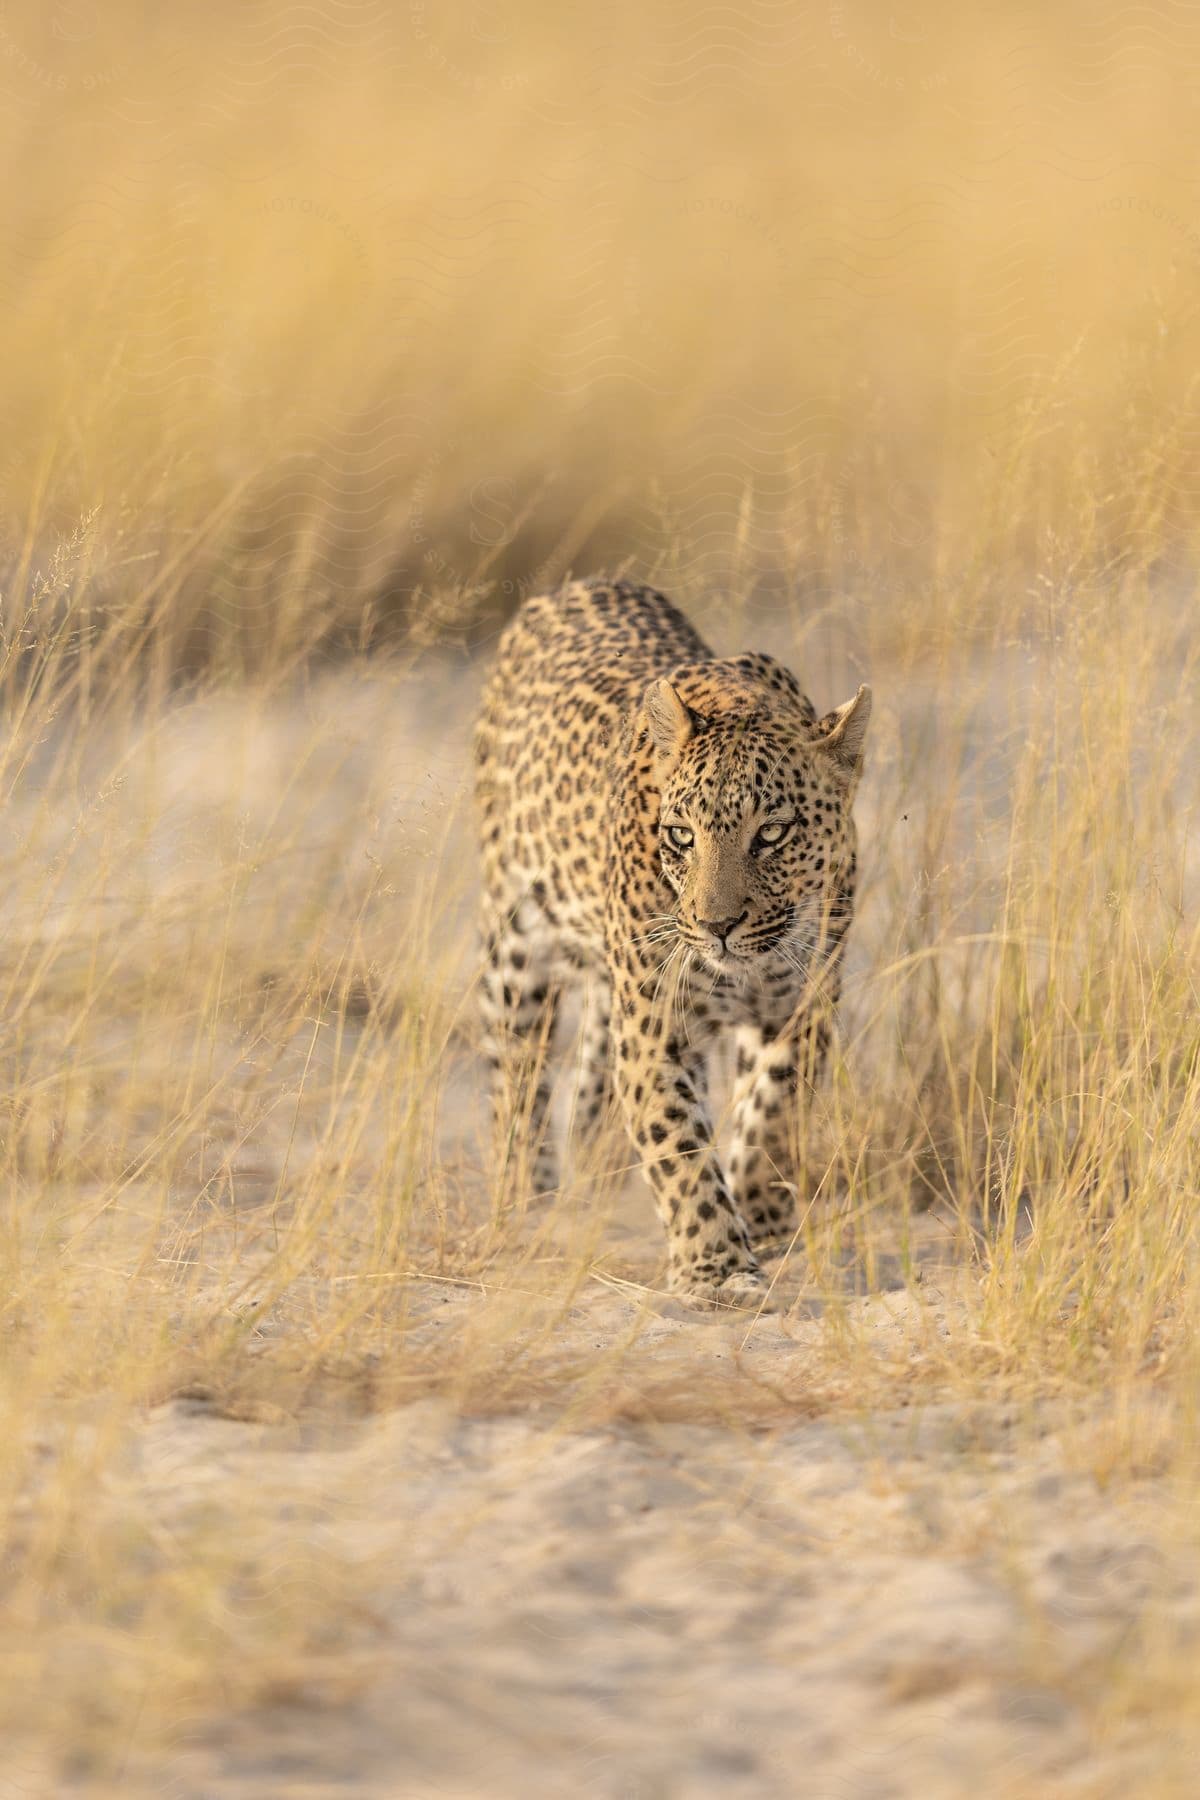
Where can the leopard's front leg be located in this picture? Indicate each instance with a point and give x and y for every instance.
(775, 1075)
(662, 1086)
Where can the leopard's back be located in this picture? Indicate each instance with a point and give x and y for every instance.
(570, 668)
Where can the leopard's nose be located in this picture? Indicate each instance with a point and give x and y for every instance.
(721, 928)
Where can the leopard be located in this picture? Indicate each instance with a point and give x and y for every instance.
(670, 834)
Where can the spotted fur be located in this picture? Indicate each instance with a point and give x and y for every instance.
(674, 831)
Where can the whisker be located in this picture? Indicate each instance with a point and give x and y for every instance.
(660, 969)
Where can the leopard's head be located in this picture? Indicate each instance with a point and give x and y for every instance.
(754, 823)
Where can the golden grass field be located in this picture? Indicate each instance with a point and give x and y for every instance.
(329, 331)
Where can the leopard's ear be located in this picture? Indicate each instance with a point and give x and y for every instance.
(671, 724)
(843, 730)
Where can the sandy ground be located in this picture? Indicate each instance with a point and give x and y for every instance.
(915, 1602)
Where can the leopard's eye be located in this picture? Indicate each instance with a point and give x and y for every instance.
(774, 833)
(680, 837)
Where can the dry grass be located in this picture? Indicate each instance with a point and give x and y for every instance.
(328, 334)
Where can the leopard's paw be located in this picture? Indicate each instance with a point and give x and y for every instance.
(742, 1289)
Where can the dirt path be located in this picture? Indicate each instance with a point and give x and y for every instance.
(915, 1603)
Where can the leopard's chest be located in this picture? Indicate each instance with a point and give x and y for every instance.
(709, 1003)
